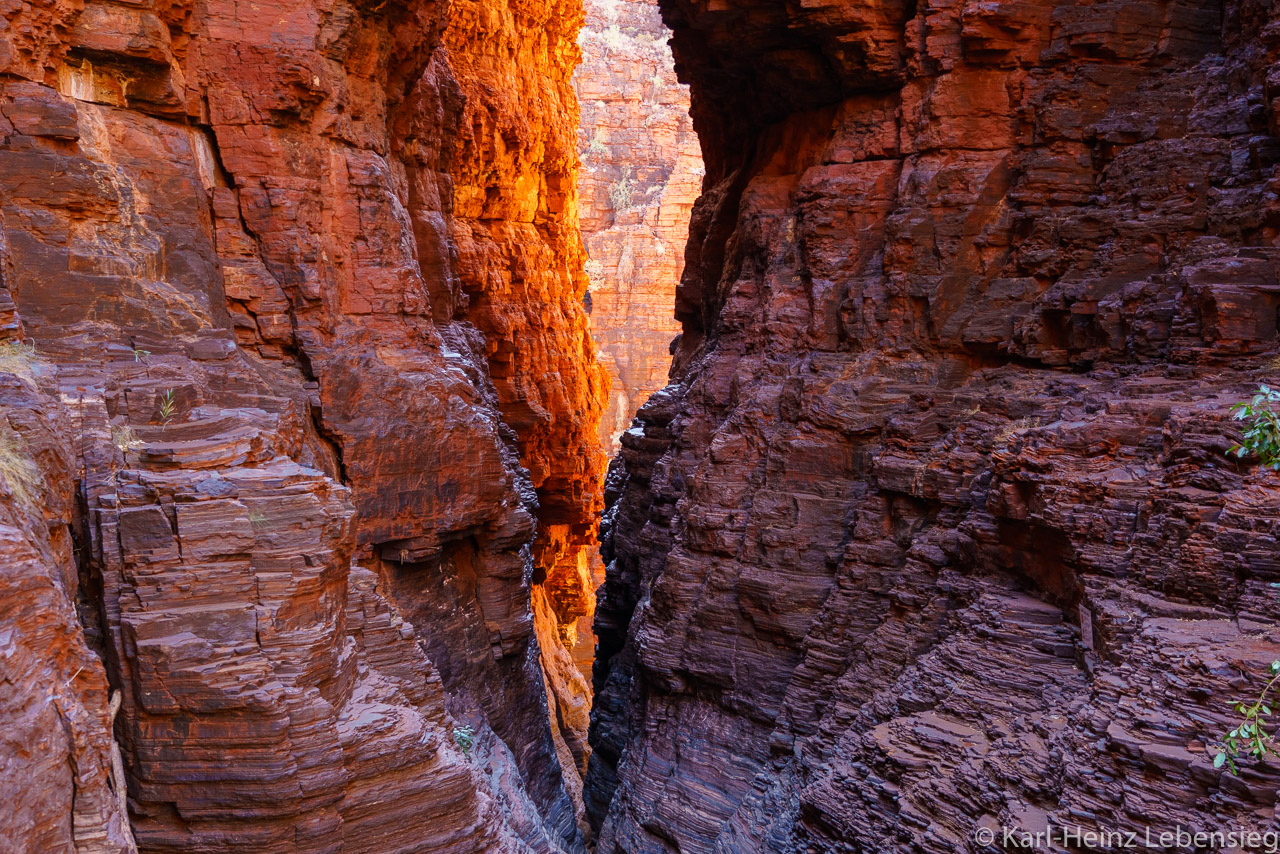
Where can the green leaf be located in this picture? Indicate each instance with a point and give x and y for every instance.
(1219, 760)
(1261, 436)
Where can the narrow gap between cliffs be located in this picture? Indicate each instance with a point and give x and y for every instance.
(641, 170)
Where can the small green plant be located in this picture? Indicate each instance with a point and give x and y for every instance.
(1262, 428)
(141, 355)
(620, 195)
(1250, 737)
(465, 738)
(18, 469)
(167, 408)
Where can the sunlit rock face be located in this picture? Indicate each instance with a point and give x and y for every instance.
(305, 282)
(641, 171)
(934, 530)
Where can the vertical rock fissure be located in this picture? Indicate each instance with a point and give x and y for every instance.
(640, 171)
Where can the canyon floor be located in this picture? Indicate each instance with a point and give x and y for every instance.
(699, 426)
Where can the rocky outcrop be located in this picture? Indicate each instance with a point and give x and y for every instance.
(63, 779)
(641, 171)
(278, 258)
(933, 530)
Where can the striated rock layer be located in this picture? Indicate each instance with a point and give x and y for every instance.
(641, 171)
(305, 279)
(61, 773)
(934, 529)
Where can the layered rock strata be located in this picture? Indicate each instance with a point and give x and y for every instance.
(934, 530)
(62, 775)
(641, 171)
(307, 284)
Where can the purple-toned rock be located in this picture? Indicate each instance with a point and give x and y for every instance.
(934, 530)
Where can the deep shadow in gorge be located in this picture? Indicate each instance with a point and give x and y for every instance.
(933, 529)
(639, 174)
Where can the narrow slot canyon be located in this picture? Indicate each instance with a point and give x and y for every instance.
(640, 172)
(484, 426)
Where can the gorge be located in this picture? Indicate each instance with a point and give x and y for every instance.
(932, 530)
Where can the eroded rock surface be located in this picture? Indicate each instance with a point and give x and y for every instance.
(934, 529)
(61, 776)
(641, 171)
(330, 410)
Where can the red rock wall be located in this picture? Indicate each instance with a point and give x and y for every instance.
(519, 281)
(935, 529)
(334, 421)
(641, 171)
(63, 781)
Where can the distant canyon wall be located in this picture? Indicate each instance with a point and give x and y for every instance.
(934, 530)
(641, 171)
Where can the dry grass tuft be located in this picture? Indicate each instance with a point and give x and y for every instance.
(19, 471)
(614, 38)
(1014, 429)
(620, 195)
(125, 439)
(18, 358)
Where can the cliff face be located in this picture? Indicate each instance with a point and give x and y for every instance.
(933, 529)
(276, 260)
(641, 171)
(63, 781)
